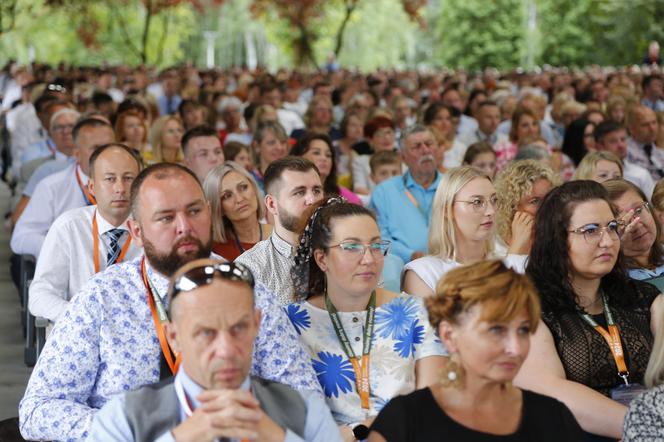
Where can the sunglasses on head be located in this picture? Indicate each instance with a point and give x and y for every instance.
(204, 274)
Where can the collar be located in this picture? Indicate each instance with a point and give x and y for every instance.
(282, 246)
(84, 177)
(105, 226)
(159, 282)
(193, 390)
(410, 182)
(60, 156)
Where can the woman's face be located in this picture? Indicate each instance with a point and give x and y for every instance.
(172, 134)
(134, 131)
(352, 272)
(320, 154)
(322, 114)
(640, 239)
(472, 222)
(238, 198)
(486, 162)
(527, 129)
(491, 351)
(606, 170)
(443, 122)
(589, 137)
(530, 202)
(272, 148)
(617, 114)
(244, 158)
(354, 129)
(592, 256)
(382, 139)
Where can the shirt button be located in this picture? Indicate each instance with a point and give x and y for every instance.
(357, 339)
(355, 319)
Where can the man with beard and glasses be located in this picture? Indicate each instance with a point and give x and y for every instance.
(292, 185)
(111, 337)
(403, 203)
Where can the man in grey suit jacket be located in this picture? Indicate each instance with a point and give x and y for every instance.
(213, 326)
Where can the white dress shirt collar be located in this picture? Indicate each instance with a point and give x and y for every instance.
(193, 390)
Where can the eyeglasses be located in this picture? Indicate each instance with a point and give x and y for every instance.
(639, 210)
(592, 233)
(56, 88)
(378, 248)
(204, 274)
(63, 127)
(479, 203)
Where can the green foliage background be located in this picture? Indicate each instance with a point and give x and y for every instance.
(470, 34)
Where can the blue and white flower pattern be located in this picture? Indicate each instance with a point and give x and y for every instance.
(402, 336)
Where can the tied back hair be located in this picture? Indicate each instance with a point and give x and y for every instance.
(308, 278)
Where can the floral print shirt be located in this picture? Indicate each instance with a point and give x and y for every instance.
(402, 335)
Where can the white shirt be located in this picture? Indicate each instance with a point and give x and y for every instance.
(289, 120)
(66, 260)
(454, 156)
(639, 176)
(54, 195)
(25, 129)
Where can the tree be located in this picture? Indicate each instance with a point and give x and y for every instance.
(473, 34)
(564, 30)
(306, 17)
(139, 36)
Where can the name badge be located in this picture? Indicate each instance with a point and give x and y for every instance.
(625, 393)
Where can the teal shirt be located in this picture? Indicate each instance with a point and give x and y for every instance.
(399, 220)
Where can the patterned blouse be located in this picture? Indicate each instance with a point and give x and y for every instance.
(402, 335)
(645, 418)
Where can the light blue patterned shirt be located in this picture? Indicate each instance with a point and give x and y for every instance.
(105, 343)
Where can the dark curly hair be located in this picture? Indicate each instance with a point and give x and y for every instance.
(549, 262)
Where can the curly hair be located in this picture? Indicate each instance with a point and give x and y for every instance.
(500, 291)
(549, 265)
(512, 184)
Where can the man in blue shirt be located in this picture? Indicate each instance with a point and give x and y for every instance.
(213, 326)
(403, 204)
(108, 340)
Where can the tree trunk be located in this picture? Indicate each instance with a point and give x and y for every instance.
(350, 7)
(146, 31)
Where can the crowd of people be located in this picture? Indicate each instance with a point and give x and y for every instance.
(323, 256)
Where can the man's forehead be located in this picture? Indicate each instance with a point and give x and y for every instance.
(228, 300)
(293, 178)
(205, 142)
(158, 194)
(419, 137)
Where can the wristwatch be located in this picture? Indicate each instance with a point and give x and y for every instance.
(361, 432)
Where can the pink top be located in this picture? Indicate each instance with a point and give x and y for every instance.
(350, 196)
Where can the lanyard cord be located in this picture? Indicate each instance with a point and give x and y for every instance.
(413, 200)
(237, 240)
(612, 338)
(361, 371)
(89, 197)
(159, 317)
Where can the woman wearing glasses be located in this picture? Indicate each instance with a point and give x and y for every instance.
(640, 245)
(592, 349)
(367, 344)
(461, 232)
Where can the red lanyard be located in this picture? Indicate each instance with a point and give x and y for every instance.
(159, 318)
(95, 240)
(89, 197)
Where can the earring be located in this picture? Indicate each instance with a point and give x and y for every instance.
(452, 374)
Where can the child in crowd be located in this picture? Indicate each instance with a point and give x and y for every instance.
(481, 156)
(384, 165)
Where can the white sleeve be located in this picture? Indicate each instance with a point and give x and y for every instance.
(33, 224)
(50, 287)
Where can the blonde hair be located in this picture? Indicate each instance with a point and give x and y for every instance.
(513, 183)
(442, 236)
(212, 187)
(587, 166)
(501, 292)
(315, 101)
(156, 134)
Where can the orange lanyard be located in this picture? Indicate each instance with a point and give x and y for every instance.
(95, 240)
(89, 198)
(612, 338)
(159, 318)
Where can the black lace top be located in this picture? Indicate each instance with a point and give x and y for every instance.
(584, 352)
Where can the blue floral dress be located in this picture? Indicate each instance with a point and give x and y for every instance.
(402, 335)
